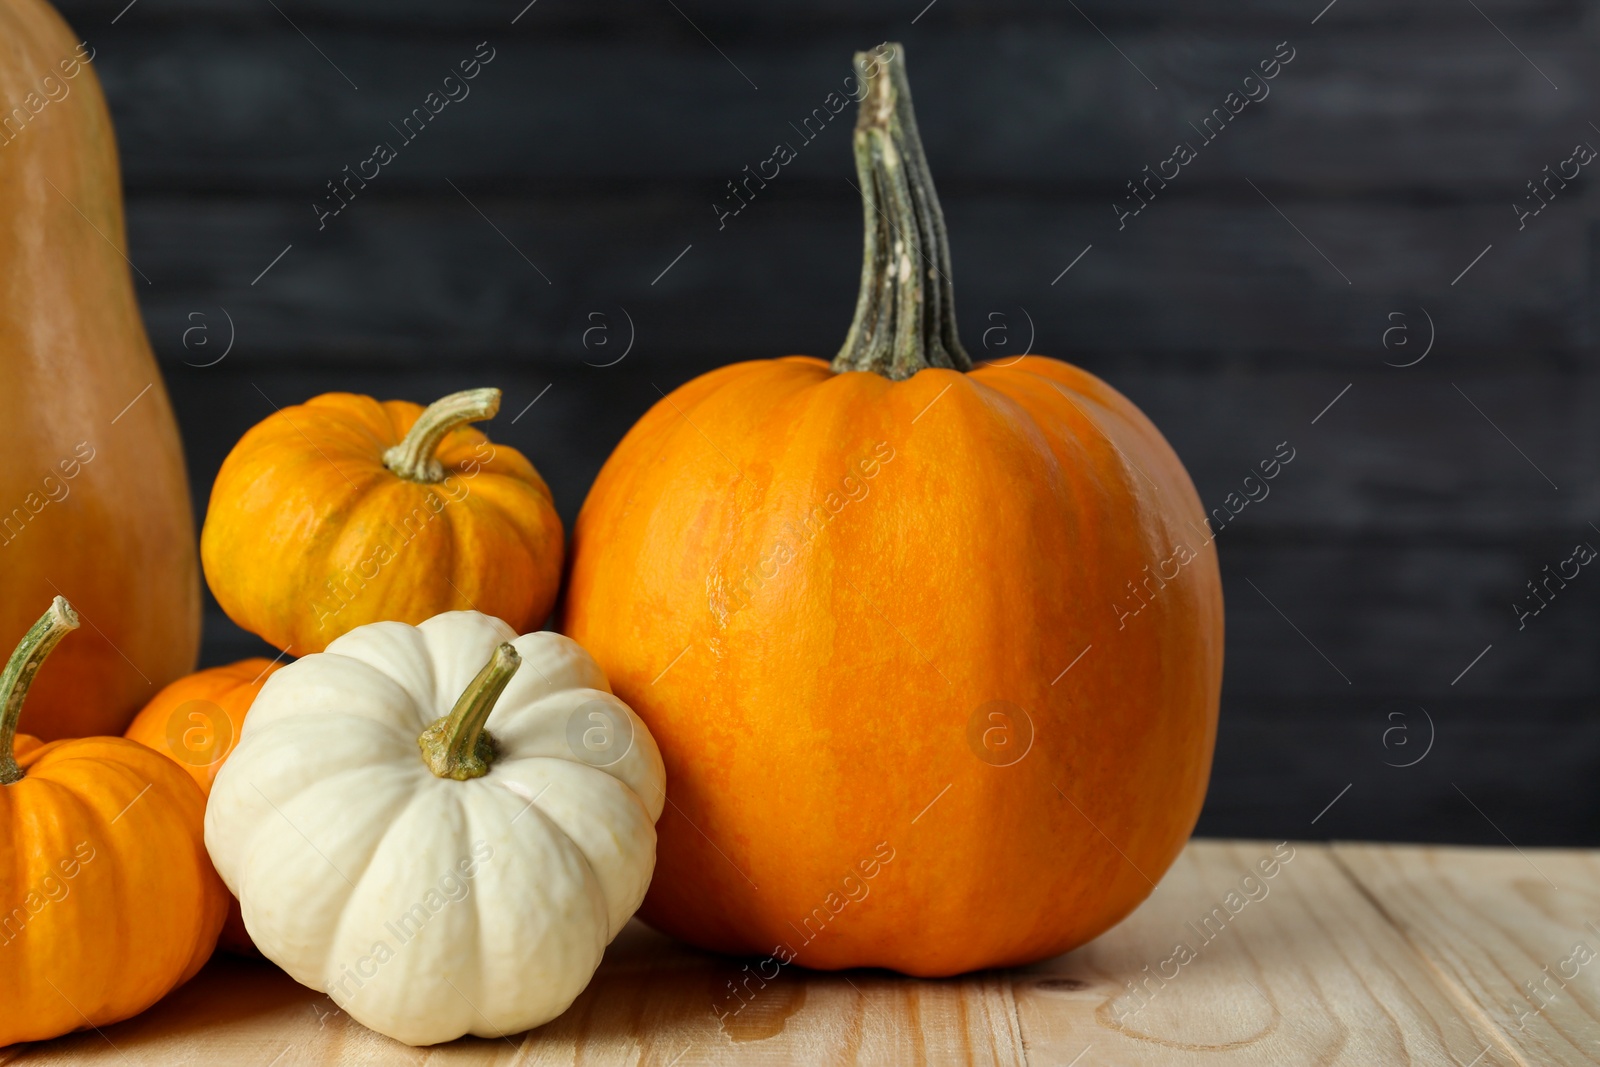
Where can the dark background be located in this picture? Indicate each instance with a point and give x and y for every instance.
(592, 147)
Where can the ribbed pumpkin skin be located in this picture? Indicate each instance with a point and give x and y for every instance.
(230, 688)
(136, 919)
(308, 535)
(118, 537)
(830, 713)
(224, 693)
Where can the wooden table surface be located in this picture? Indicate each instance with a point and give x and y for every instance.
(1368, 955)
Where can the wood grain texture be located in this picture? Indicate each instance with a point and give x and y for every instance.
(1392, 956)
(1504, 756)
(1309, 973)
(1194, 283)
(1501, 930)
(1079, 115)
(732, 14)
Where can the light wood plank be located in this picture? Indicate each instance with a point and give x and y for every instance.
(650, 1003)
(1491, 921)
(1309, 973)
(1313, 971)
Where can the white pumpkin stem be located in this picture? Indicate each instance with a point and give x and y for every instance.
(905, 317)
(58, 621)
(414, 458)
(457, 746)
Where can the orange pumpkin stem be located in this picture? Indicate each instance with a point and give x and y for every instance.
(905, 317)
(43, 636)
(414, 458)
(457, 746)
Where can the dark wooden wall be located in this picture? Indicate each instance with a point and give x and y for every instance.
(1249, 294)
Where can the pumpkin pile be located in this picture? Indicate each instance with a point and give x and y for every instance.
(832, 603)
(429, 778)
(472, 812)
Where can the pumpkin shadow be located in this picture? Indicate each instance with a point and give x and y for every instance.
(649, 991)
(236, 988)
(245, 995)
(655, 992)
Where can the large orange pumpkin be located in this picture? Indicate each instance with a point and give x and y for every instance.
(343, 511)
(196, 721)
(933, 655)
(94, 501)
(111, 898)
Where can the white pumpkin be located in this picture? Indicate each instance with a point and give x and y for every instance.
(428, 895)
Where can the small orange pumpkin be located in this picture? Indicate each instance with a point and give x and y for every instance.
(343, 511)
(933, 653)
(196, 721)
(112, 898)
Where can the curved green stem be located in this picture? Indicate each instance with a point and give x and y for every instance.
(25, 662)
(457, 746)
(905, 317)
(414, 458)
